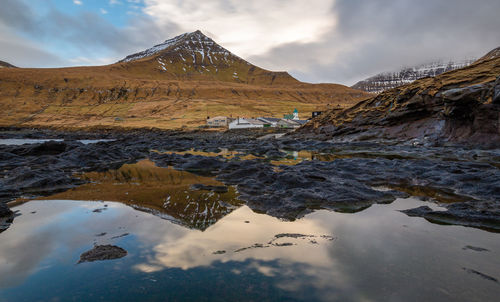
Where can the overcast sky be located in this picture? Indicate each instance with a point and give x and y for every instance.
(339, 41)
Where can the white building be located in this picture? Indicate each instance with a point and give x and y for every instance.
(244, 123)
(271, 121)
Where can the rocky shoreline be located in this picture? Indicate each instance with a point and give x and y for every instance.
(463, 179)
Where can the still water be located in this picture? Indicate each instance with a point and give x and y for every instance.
(191, 245)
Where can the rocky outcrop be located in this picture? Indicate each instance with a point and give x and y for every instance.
(458, 106)
(103, 252)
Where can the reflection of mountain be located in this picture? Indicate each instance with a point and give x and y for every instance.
(163, 191)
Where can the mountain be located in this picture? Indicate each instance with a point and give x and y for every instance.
(6, 65)
(196, 56)
(174, 84)
(389, 80)
(459, 106)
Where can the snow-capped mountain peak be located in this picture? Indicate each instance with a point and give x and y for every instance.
(389, 80)
(195, 42)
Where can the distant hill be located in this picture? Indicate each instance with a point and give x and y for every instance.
(389, 80)
(6, 65)
(174, 84)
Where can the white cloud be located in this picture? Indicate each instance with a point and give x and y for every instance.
(103, 11)
(250, 27)
(113, 2)
(77, 2)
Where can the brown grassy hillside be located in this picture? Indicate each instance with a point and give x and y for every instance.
(456, 105)
(171, 85)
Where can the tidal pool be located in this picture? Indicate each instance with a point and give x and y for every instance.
(189, 238)
(379, 254)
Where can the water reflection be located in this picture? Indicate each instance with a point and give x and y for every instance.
(224, 153)
(291, 157)
(164, 191)
(379, 254)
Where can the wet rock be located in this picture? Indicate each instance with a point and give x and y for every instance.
(5, 211)
(485, 215)
(201, 165)
(283, 244)
(216, 189)
(120, 236)
(103, 252)
(484, 276)
(255, 246)
(5, 222)
(46, 148)
(466, 178)
(418, 212)
(475, 248)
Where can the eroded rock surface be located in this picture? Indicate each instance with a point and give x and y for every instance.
(103, 252)
(5, 211)
(340, 176)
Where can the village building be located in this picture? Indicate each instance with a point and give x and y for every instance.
(290, 121)
(219, 121)
(271, 121)
(293, 116)
(245, 123)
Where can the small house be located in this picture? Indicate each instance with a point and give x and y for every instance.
(219, 121)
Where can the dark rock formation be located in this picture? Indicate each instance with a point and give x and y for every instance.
(4, 210)
(103, 252)
(341, 176)
(458, 106)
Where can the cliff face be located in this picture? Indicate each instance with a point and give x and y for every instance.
(389, 80)
(458, 106)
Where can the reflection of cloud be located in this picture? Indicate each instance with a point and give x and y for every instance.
(17, 263)
(25, 244)
(57, 229)
(232, 233)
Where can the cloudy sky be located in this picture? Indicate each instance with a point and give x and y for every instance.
(338, 41)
